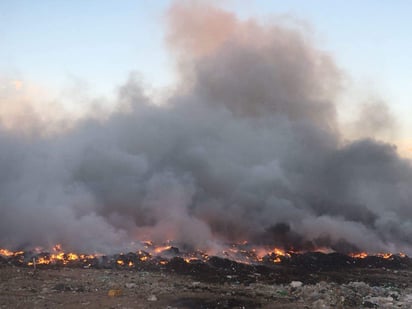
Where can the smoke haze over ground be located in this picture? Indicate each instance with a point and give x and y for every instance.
(248, 148)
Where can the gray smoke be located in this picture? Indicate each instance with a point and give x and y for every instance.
(248, 148)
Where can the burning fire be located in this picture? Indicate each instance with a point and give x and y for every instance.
(240, 252)
(383, 255)
(359, 255)
(279, 253)
(120, 262)
(162, 249)
(5, 252)
(62, 258)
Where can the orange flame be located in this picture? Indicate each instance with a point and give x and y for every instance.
(359, 255)
(5, 252)
(385, 255)
(241, 252)
(162, 249)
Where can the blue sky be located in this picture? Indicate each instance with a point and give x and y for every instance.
(96, 41)
(55, 43)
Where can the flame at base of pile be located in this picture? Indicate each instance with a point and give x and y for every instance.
(151, 255)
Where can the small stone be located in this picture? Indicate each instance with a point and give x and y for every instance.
(320, 304)
(395, 295)
(380, 300)
(115, 293)
(80, 289)
(296, 284)
(152, 298)
(282, 292)
(130, 285)
(368, 304)
(62, 287)
(352, 300)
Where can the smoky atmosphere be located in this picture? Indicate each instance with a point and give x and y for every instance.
(251, 144)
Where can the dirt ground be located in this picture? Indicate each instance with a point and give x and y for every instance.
(103, 288)
(90, 288)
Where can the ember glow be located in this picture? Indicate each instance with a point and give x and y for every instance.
(360, 255)
(162, 254)
(385, 255)
(58, 256)
(5, 252)
(161, 249)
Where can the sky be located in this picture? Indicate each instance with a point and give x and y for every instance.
(92, 46)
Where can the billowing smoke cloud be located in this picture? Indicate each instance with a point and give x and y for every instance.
(374, 120)
(249, 148)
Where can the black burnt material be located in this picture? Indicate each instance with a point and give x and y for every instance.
(307, 267)
(319, 261)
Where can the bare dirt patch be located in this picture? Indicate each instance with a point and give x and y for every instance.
(90, 288)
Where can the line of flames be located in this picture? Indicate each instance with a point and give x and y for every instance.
(234, 252)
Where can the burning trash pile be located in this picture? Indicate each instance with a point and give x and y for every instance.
(236, 259)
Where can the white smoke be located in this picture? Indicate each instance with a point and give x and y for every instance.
(249, 147)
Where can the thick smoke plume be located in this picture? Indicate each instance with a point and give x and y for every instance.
(248, 148)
